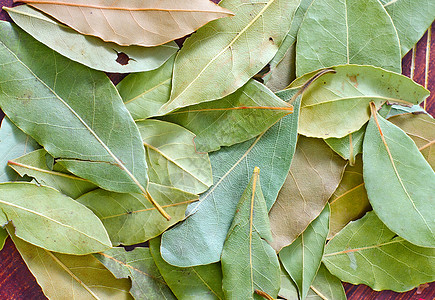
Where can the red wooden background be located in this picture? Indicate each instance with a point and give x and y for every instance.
(16, 281)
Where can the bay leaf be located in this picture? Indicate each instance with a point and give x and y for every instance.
(326, 286)
(222, 56)
(3, 236)
(135, 22)
(139, 266)
(392, 110)
(314, 175)
(199, 239)
(88, 50)
(34, 165)
(367, 252)
(130, 218)
(172, 157)
(301, 259)
(347, 32)
(191, 283)
(338, 104)
(406, 206)
(145, 92)
(288, 289)
(421, 129)
(45, 218)
(350, 146)
(13, 143)
(64, 276)
(80, 120)
(249, 263)
(233, 119)
(410, 29)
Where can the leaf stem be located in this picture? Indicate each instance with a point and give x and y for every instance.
(264, 295)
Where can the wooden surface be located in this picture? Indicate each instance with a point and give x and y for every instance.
(16, 281)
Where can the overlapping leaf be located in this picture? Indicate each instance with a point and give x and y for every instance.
(326, 286)
(3, 237)
(288, 289)
(349, 146)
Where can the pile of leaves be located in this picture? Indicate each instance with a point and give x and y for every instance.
(245, 181)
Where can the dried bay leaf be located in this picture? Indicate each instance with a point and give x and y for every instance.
(191, 283)
(367, 252)
(288, 289)
(222, 56)
(128, 22)
(130, 218)
(87, 50)
(314, 175)
(338, 103)
(3, 236)
(172, 158)
(302, 258)
(249, 263)
(407, 205)
(45, 218)
(236, 118)
(138, 265)
(350, 146)
(347, 32)
(326, 286)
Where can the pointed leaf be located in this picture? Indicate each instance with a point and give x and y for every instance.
(44, 217)
(314, 175)
(367, 252)
(302, 258)
(191, 283)
(350, 146)
(129, 22)
(130, 218)
(172, 158)
(87, 50)
(222, 56)
(3, 237)
(200, 238)
(326, 286)
(138, 265)
(338, 104)
(248, 262)
(288, 289)
(407, 205)
(236, 118)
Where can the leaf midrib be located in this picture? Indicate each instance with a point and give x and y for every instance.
(350, 98)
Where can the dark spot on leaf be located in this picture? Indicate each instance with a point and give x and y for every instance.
(122, 58)
(271, 39)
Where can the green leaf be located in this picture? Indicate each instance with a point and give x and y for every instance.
(367, 252)
(347, 32)
(172, 158)
(130, 218)
(350, 146)
(34, 164)
(13, 143)
(90, 51)
(199, 239)
(236, 118)
(139, 266)
(302, 258)
(349, 201)
(315, 173)
(64, 276)
(191, 283)
(3, 236)
(44, 217)
(338, 103)
(144, 93)
(326, 286)
(288, 289)
(411, 19)
(249, 263)
(224, 54)
(407, 205)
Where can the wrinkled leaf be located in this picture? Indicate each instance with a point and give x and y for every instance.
(350, 146)
(200, 282)
(139, 266)
(236, 118)
(87, 50)
(302, 258)
(172, 158)
(249, 263)
(347, 32)
(34, 164)
(288, 289)
(349, 201)
(314, 175)
(199, 239)
(338, 104)
(3, 237)
(128, 22)
(130, 218)
(367, 252)
(44, 217)
(13, 144)
(222, 56)
(326, 286)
